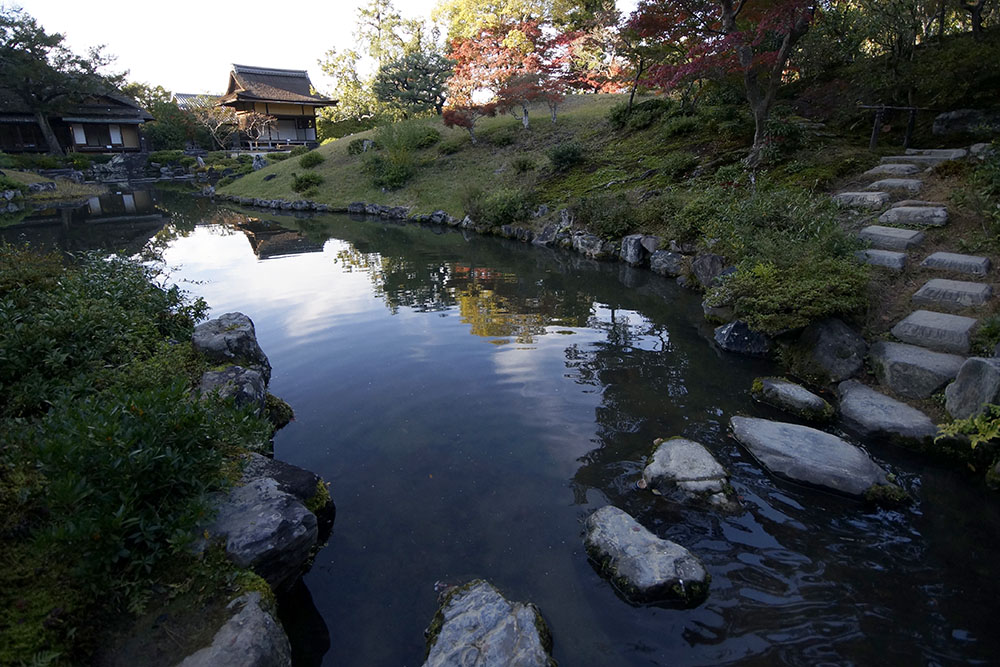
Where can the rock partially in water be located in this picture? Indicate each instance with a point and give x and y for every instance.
(683, 469)
(593, 246)
(832, 351)
(633, 251)
(307, 486)
(706, 268)
(642, 567)
(806, 455)
(250, 638)
(231, 338)
(871, 414)
(266, 530)
(477, 627)
(245, 386)
(668, 263)
(790, 397)
(738, 338)
(977, 385)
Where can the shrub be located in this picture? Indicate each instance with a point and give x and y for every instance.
(522, 164)
(565, 156)
(8, 183)
(34, 161)
(642, 115)
(677, 164)
(303, 182)
(277, 157)
(310, 160)
(357, 146)
(298, 150)
(500, 136)
(79, 161)
(499, 207)
(609, 215)
(452, 146)
(679, 126)
(394, 162)
(166, 157)
(6, 161)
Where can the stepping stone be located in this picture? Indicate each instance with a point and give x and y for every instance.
(891, 238)
(951, 261)
(952, 293)
(869, 200)
(893, 170)
(684, 470)
(874, 415)
(920, 216)
(791, 397)
(919, 160)
(910, 185)
(911, 371)
(917, 202)
(885, 258)
(642, 567)
(804, 454)
(946, 153)
(937, 331)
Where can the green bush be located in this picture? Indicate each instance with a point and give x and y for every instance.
(277, 157)
(7, 161)
(609, 215)
(565, 156)
(394, 162)
(357, 146)
(501, 135)
(499, 207)
(298, 150)
(677, 164)
(166, 157)
(390, 171)
(37, 161)
(680, 125)
(522, 164)
(642, 114)
(454, 145)
(303, 182)
(79, 161)
(310, 160)
(8, 183)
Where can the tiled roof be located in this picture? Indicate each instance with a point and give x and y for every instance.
(267, 84)
(111, 104)
(184, 99)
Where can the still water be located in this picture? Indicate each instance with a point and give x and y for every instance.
(473, 400)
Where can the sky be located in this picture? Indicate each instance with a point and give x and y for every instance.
(188, 46)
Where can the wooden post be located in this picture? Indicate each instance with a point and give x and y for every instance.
(876, 129)
(909, 128)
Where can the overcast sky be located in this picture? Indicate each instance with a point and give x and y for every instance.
(187, 45)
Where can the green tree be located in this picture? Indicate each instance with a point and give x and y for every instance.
(414, 83)
(42, 72)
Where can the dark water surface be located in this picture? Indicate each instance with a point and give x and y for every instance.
(473, 400)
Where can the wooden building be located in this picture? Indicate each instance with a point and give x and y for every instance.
(285, 94)
(107, 123)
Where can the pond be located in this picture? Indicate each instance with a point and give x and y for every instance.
(473, 400)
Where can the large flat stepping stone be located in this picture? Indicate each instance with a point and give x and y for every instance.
(937, 331)
(952, 293)
(917, 202)
(919, 160)
(911, 371)
(977, 385)
(685, 470)
(642, 567)
(910, 185)
(888, 259)
(867, 200)
(893, 170)
(804, 454)
(919, 216)
(951, 261)
(945, 153)
(874, 415)
(790, 397)
(476, 625)
(891, 238)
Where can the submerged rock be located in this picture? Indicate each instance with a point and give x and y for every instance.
(804, 454)
(250, 638)
(790, 397)
(738, 338)
(231, 338)
(642, 567)
(871, 414)
(477, 627)
(977, 385)
(685, 470)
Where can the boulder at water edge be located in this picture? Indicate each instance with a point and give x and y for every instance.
(250, 638)
(231, 338)
(977, 385)
(477, 627)
(790, 397)
(245, 386)
(684, 470)
(806, 455)
(706, 268)
(871, 414)
(642, 567)
(831, 351)
(738, 338)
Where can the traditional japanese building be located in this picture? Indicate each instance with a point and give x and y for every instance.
(284, 94)
(106, 123)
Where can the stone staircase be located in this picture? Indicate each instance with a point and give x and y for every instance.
(934, 339)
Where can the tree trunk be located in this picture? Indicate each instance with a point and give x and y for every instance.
(977, 20)
(49, 134)
(524, 116)
(635, 84)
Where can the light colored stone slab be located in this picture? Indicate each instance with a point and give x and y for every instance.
(683, 469)
(791, 397)
(874, 415)
(937, 331)
(946, 153)
(952, 293)
(917, 202)
(891, 238)
(920, 216)
(910, 185)
(884, 258)
(911, 371)
(952, 261)
(920, 160)
(893, 170)
(868, 200)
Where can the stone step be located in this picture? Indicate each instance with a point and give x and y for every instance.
(891, 238)
(917, 202)
(937, 331)
(893, 170)
(872, 414)
(885, 258)
(919, 160)
(869, 200)
(921, 216)
(911, 371)
(952, 293)
(951, 261)
(946, 153)
(909, 185)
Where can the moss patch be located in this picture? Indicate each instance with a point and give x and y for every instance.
(277, 411)
(886, 495)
